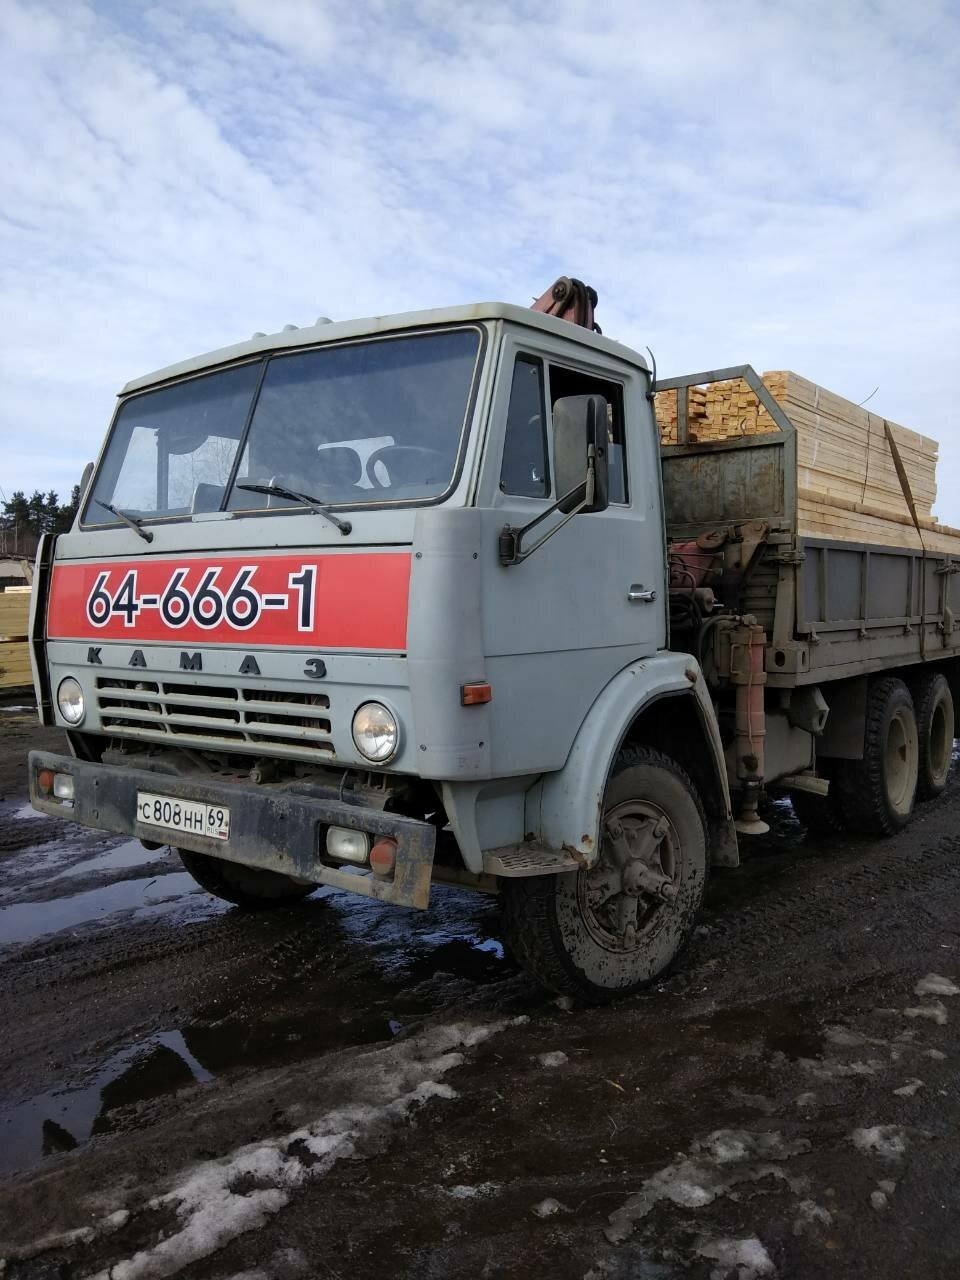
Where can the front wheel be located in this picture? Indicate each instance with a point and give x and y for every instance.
(249, 887)
(610, 930)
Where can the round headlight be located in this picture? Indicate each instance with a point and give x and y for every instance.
(70, 700)
(376, 732)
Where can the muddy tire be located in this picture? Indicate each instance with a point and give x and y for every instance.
(935, 729)
(248, 887)
(585, 934)
(876, 794)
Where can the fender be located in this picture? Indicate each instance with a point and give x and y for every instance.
(570, 800)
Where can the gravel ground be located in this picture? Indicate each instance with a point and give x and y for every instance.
(341, 1090)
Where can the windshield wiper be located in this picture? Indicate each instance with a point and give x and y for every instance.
(131, 521)
(279, 491)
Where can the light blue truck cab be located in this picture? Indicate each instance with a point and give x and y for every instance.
(384, 603)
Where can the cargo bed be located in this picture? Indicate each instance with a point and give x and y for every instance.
(833, 602)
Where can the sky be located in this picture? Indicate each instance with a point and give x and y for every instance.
(773, 182)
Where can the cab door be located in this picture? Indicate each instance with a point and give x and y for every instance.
(560, 624)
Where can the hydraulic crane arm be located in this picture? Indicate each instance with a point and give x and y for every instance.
(572, 300)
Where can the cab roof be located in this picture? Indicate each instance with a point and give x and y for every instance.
(337, 331)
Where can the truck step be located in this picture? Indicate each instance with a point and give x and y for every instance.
(528, 860)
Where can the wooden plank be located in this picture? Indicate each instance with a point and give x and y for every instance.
(15, 665)
(14, 615)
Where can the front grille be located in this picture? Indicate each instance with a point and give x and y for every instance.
(272, 721)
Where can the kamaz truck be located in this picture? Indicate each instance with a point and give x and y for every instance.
(420, 599)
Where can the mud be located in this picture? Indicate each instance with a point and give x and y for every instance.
(340, 1089)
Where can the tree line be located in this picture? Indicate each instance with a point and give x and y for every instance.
(40, 513)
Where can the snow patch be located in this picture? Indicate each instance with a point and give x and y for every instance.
(464, 1192)
(722, 1160)
(555, 1058)
(547, 1208)
(878, 1199)
(810, 1214)
(748, 1257)
(833, 1069)
(934, 984)
(936, 1010)
(886, 1140)
(211, 1211)
(909, 1089)
(936, 1054)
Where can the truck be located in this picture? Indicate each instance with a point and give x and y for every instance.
(421, 599)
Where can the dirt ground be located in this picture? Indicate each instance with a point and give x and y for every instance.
(341, 1090)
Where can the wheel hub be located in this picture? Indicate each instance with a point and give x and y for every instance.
(635, 879)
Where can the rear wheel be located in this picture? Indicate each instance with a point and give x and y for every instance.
(609, 930)
(876, 794)
(248, 887)
(935, 729)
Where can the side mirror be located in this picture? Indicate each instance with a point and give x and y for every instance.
(580, 436)
(85, 479)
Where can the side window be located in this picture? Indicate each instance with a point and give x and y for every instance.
(571, 382)
(524, 470)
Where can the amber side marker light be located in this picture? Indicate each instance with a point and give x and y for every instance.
(475, 693)
(45, 781)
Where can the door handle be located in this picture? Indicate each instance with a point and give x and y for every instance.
(637, 594)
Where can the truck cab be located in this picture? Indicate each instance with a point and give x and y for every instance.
(382, 604)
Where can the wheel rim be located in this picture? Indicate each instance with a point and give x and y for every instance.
(940, 740)
(624, 897)
(900, 760)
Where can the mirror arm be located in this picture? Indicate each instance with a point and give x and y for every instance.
(510, 540)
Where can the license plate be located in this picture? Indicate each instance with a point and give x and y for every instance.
(190, 816)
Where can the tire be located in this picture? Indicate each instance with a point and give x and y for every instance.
(580, 933)
(249, 887)
(876, 794)
(935, 728)
(819, 814)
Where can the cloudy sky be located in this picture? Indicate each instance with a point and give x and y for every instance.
(742, 180)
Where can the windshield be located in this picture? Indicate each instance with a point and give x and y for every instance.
(353, 424)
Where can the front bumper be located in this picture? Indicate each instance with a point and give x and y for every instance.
(273, 828)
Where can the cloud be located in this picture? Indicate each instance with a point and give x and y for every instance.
(741, 182)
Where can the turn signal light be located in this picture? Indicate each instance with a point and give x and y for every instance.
(475, 693)
(383, 856)
(45, 781)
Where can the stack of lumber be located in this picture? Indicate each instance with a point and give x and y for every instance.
(847, 481)
(14, 650)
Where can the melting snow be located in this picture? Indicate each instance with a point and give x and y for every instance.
(748, 1256)
(547, 1208)
(935, 1010)
(887, 1140)
(935, 985)
(909, 1089)
(714, 1166)
(463, 1192)
(210, 1212)
(555, 1058)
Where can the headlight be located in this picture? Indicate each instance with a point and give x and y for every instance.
(70, 700)
(376, 732)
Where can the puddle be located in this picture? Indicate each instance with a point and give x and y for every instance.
(129, 854)
(58, 1121)
(26, 921)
